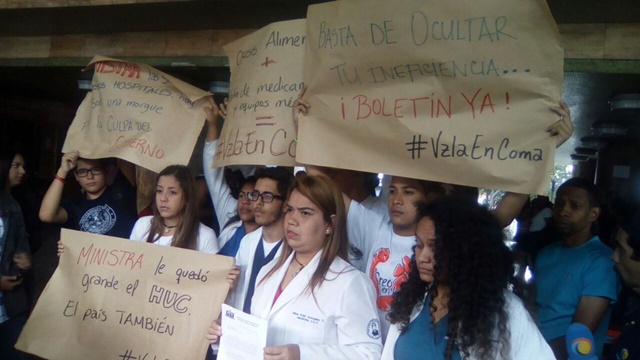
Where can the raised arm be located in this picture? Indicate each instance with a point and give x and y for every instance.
(301, 108)
(224, 204)
(50, 210)
(214, 114)
(511, 204)
(509, 207)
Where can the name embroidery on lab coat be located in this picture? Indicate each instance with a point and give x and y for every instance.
(307, 318)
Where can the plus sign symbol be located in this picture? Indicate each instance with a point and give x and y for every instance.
(267, 62)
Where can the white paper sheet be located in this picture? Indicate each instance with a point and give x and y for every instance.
(243, 337)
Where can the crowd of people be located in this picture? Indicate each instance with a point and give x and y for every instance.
(421, 271)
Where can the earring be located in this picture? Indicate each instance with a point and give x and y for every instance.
(328, 231)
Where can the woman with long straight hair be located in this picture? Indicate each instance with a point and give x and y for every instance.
(15, 260)
(27, 196)
(175, 220)
(317, 305)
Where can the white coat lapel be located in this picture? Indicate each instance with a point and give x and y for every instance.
(298, 284)
(244, 258)
(254, 239)
(267, 288)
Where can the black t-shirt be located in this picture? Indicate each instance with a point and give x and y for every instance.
(627, 346)
(112, 213)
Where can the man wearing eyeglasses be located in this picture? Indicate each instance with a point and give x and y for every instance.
(100, 210)
(262, 245)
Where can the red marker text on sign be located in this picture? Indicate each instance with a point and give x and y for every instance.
(110, 257)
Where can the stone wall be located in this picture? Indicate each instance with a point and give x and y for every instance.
(581, 41)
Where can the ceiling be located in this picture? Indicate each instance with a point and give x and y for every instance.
(237, 14)
(588, 94)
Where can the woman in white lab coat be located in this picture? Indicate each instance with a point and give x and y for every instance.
(317, 305)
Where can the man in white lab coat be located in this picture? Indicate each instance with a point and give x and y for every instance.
(263, 245)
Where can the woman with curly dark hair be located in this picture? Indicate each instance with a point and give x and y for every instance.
(461, 271)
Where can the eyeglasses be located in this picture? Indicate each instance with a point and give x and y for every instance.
(93, 171)
(267, 197)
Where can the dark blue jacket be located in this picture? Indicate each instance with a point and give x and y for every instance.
(16, 241)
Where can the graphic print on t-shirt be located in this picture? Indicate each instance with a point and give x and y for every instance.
(354, 253)
(387, 276)
(98, 220)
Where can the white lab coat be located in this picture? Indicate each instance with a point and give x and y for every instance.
(244, 259)
(526, 341)
(341, 322)
(224, 204)
(227, 233)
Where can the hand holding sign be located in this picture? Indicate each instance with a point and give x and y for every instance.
(300, 108)
(562, 129)
(433, 90)
(117, 298)
(137, 113)
(266, 76)
(69, 162)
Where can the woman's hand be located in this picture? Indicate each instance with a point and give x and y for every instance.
(69, 161)
(233, 276)
(300, 107)
(8, 283)
(223, 108)
(287, 352)
(22, 260)
(214, 112)
(60, 248)
(562, 129)
(215, 331)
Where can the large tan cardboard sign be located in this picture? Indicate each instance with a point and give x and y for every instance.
(454, 91)
(139, 114)
(266, 76)
(112, 298)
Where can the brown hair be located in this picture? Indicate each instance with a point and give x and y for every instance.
(186, 235)
(323, 193)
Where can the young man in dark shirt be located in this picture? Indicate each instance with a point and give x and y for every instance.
(101, 210)
(627, 259)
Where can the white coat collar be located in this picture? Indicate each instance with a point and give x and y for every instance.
(297, 287)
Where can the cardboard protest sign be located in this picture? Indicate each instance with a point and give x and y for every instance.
(112, 298)
(266, 76)
(139, 114)
(453, 91)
